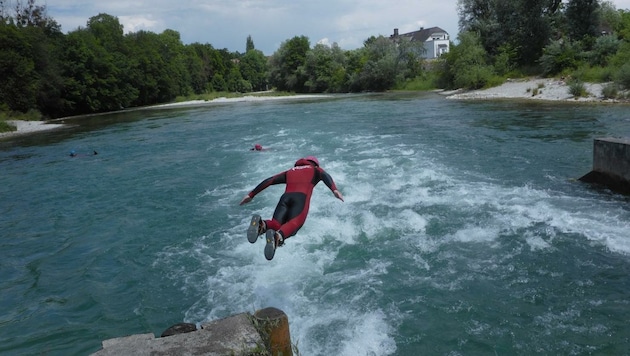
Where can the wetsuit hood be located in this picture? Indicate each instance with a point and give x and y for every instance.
(308, 160)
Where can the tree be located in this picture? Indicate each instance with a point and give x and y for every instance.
(379, 72)
(195, 68)
(249, 44)
(467, 63)
(339, 72)
(582, 19)
(532, 29)
(107, 31)
(480, 16)
(18, 88)
(112, 85)
(608, 17)
(603, 49)
(31, 15)
(177, 80)
(524, 26)
(236, 83)
(286, 70)
(355, 62)
(99, 72)
(623, 28)
(253, 67)
(409, 60)
(558, 56)
(214, 68)
(319, 69)
(149, 74)
(30, 68)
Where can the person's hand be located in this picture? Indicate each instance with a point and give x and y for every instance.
(246, 200)
(338, 195)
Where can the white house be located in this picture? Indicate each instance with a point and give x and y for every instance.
(436, 40)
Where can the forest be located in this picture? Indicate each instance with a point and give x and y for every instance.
(47, 74)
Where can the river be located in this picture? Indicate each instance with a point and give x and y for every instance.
(464, 230)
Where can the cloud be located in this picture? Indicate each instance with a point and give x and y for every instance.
(137, 23)
(226, 24)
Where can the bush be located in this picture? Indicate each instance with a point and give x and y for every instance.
(466, 63)
(505, 60)
(605, 47)
(421, 82)
(622, 78)
(558, 56)
(610, 91)
(474, 77)
(6, 127)
(577, 88)
(593, 74)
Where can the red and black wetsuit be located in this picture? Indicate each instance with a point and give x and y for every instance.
(293, 206)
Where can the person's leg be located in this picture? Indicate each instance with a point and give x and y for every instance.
(280, 214)
(287, 219)
(292, 226)
(295, 216)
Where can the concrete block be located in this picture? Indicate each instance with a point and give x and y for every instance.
(611, 164)
(234, 335)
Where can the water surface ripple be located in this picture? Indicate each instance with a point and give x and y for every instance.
(464, 230)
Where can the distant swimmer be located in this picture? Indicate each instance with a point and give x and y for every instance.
(73, 153)
(257, 147)
(292, 208)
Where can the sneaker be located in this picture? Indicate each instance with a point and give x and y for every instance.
(273, 240)
(256, 228)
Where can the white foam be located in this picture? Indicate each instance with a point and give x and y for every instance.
(329, 276)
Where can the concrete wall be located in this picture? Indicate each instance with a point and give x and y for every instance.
(234, 335)
(611, 164)
(264, 333)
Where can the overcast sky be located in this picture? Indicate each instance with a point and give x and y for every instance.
(227, 23)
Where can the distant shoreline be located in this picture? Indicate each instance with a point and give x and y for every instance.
(247, 98)
(542, 89)
(27, 127)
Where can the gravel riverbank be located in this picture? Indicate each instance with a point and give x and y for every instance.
(535, 89)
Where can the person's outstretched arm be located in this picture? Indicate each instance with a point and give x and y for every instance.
(330, 183)
(279, 178)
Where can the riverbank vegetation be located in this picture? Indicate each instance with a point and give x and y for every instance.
(580, 40)
(99, 68)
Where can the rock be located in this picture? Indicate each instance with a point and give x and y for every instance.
(179, 328)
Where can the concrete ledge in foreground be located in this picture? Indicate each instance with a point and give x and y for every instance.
(611, 164)
(234, 335)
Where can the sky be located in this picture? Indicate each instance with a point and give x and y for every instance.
(227, 23)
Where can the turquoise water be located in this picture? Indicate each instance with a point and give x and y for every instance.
(463, 232)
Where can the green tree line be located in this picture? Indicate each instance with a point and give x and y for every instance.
(99, 68)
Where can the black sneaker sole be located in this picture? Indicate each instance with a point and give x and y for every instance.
(252, 230)
(270, 247)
